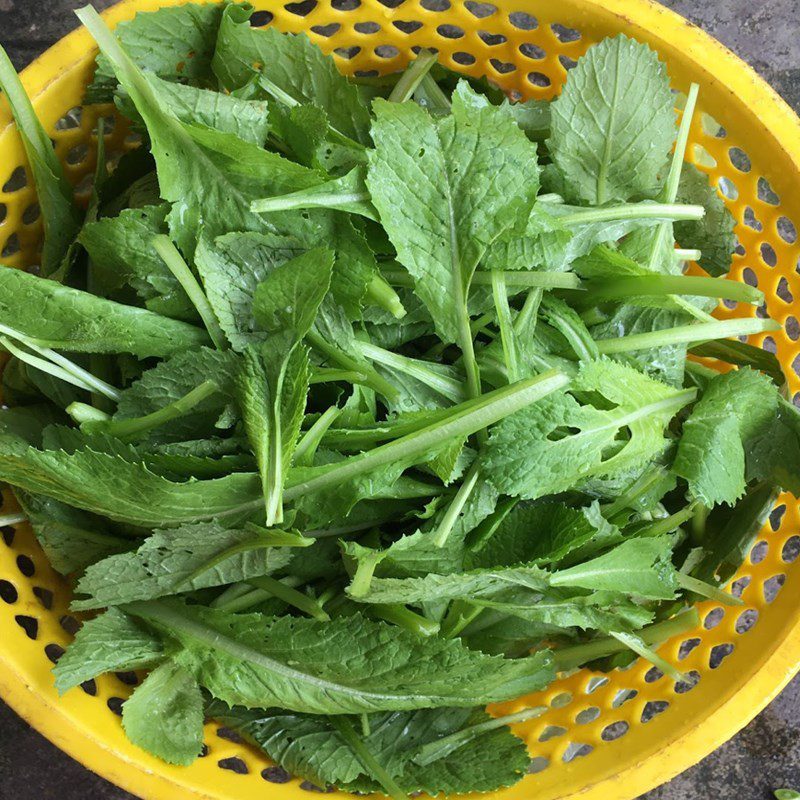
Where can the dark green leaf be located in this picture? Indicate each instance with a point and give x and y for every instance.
(110, 642)
(329, 668)
(164, 715)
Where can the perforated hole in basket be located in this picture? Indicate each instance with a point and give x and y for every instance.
(526, 49)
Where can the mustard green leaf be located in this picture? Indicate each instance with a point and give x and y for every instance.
(164, 715)
(170, 562)
(613, 123)
(111, 642)
(329, 667)
(82, 322)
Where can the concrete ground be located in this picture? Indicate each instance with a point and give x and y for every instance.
(766, 754)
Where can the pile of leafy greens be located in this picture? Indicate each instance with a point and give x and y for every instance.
(355, 406)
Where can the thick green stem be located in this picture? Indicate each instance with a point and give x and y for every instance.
(54, 363)
(507, 336)
(185, 277)
(12, 519)
(476, 326)
(404, 618)
(633, 642)
(361, 438)
(686, 334)
(347, 362)
(681, 143)
(666, 524)
(568, 658)
(465, 343)
(457, 504)
(443, 747)
(302, 199)
(704, 589)
(459, 422)
(362, 579)
(638, 489)
(131, 428)
(329, 375)
(430, 95)
(656, 285)
(308, 605)
(516, 279)
(89, 379)
(460, 614)
(381, 294)
(308, 444)
(371, 764)
(42, 364)
(241, 596)
(699, 521)
(413, 76)
(674, 177)
(83, 413)
(275, 91)
(450, 388)
(672, 211)
(231, 594)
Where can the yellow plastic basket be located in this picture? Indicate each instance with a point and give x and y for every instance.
(604, 736)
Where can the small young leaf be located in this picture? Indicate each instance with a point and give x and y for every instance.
(734, 409)
(713, 235)
(164, 715)
(110, 642)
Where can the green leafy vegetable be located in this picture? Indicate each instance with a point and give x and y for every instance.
(442, 223)
(613, 124)
(164, 715)
(713, 236)
(734, 409)
(558, 442)
(175, 43)
(179, 560)
(111, 642)
(431, 750)
(53, 191)
(266, 656)
(353, 406)
(71, 539)
(293, 71)
(274, 379)
(82, 322)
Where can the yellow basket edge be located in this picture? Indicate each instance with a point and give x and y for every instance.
(731, 713)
